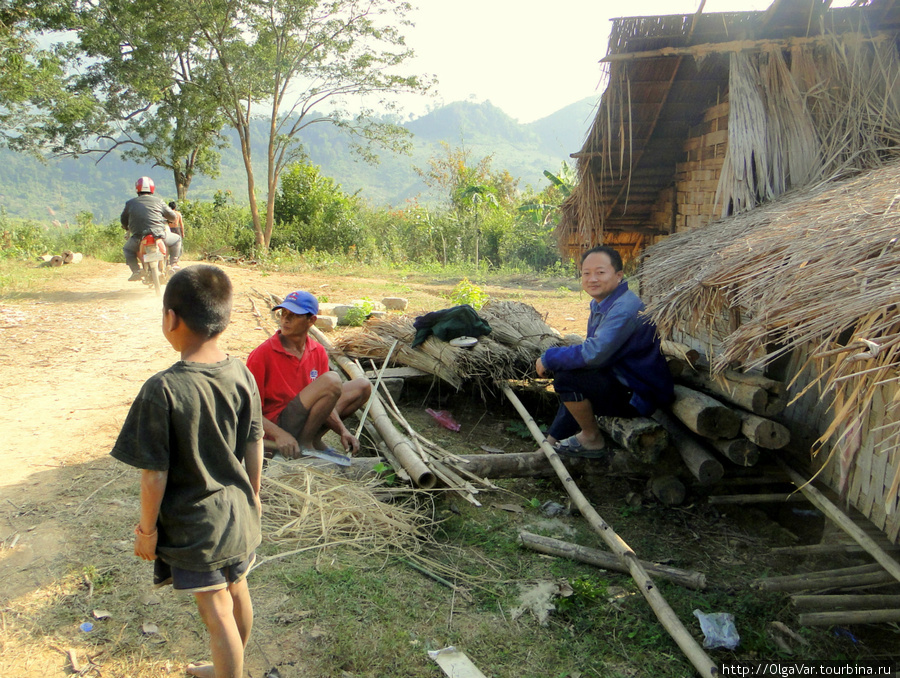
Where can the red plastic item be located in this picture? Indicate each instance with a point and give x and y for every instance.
(444, 418)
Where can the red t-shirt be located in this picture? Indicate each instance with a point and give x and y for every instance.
(280, 376)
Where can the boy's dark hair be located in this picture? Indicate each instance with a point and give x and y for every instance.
(172, 205)
(201, 296)
(614, 257)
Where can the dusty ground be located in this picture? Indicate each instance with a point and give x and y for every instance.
(72, 359)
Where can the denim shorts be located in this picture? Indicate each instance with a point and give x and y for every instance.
(197, 582)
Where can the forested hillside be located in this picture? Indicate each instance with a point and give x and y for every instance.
(60, 189)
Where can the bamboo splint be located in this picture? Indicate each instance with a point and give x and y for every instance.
(667, 617)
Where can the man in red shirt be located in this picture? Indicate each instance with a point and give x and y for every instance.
(301, 397)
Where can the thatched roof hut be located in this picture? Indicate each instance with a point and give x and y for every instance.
(758, 151)
(711, 114)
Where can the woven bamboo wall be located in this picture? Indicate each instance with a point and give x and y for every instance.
(872, 470)
(690, 203)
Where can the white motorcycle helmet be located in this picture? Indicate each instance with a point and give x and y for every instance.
(144, 185)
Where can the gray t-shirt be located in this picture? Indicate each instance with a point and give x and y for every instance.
(194, 421)
(146, 214)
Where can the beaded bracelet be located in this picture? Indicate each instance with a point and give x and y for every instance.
(139, 532)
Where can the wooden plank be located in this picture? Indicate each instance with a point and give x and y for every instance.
(740, 46)
(399, 372)
(455, 664)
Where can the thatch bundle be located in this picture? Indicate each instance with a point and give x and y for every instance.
(518, 337)
(307, 509)
(817, 270)
(833, 111)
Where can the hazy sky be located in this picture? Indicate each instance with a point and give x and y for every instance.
(527, 57)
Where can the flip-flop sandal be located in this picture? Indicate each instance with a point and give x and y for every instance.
(572, 447)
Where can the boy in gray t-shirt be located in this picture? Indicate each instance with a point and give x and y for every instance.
(195, 430)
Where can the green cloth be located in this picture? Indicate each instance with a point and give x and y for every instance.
(459, 321)
(194, 420)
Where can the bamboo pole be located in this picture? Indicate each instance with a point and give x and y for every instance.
(846, 602)
(609, 561)
(512, 465)
(662, 610)
(845, 577)
(848, 617)
(400, 447)
(824, 549)
(842, 521)
(773, 498)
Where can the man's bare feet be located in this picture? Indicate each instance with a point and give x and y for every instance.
(204, 670)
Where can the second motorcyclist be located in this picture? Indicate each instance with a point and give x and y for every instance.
(148, 214)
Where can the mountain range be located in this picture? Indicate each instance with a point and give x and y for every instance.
(59, 189)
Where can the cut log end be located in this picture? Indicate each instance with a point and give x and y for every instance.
(668, 490)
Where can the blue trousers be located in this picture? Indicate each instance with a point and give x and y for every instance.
(608, 396)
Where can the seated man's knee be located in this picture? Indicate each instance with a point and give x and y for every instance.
(330, 383)
(361, 387)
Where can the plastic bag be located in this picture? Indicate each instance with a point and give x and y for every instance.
(718, 630)
(444, 418)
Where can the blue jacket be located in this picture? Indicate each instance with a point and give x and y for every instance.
(621, 340)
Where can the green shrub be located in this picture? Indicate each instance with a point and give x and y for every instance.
(311, 212)
(467, 293)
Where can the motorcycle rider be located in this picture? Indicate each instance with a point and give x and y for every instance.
(143, 215)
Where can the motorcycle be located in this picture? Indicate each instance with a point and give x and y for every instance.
(153, 257)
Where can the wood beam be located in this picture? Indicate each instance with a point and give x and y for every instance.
(739, 46)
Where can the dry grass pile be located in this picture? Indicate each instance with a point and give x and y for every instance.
(816, 270)
(311, 510)
(518, 336)
(307, 509)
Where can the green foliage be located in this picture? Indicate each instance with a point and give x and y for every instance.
(587, 592)
(138, 83)
(385, 472)
(313, 213)
(359, 312)
(466, 292)
(217, 228)
(27, 239)
(519, 429)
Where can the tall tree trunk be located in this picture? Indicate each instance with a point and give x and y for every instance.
(244, 134)
(271, 175)
(182, 183)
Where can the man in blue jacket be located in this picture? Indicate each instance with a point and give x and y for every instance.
(618, 371)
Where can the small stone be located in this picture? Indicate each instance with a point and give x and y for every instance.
(395, 303)
(326, 323)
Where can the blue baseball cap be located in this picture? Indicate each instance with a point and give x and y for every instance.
(300, 302)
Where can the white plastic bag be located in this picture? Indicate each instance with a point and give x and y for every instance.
(718, 630)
